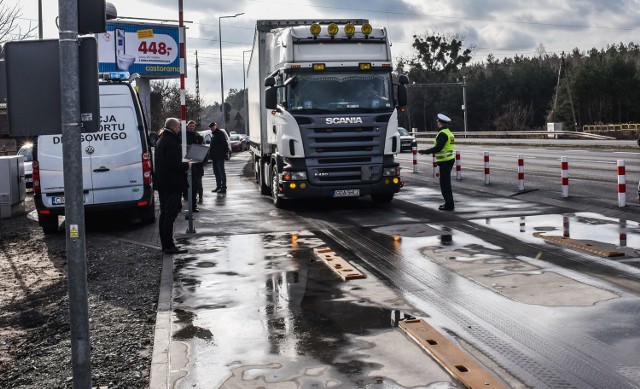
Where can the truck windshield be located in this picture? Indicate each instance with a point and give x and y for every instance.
(340, 92)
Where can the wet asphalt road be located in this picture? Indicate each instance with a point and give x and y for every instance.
(252, 307)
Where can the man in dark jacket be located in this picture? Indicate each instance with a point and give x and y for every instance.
(170, 182)
(218, 153)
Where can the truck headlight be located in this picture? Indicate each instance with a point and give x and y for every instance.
(391, 171)
(294, 176)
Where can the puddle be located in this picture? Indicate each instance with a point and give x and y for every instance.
(580, 226)
(255, 306)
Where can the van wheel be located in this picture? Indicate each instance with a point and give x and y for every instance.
(382, 198)
(275, 183)
(148, 214)
(49, 223)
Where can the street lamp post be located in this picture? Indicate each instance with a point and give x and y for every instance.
(224, 124)
(244, 94)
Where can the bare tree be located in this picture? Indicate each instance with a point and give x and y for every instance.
(10, 29)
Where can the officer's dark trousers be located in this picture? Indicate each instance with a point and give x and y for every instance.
(170, 205)
(445, 181)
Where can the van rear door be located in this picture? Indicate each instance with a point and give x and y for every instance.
(51, 171)
(116, 161)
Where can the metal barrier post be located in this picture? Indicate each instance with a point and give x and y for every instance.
(414, 151)
(436, 168)
(458, 166)
(564, 164)
(487, 172)
(622, 184)
(520, 172)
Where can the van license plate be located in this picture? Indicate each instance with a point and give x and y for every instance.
(346, 193)
(59, 200)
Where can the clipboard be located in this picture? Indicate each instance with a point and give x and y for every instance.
(197, 153)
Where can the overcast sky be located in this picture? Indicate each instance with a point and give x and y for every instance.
(498, 27)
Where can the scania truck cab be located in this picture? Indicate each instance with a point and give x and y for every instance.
(323, 111)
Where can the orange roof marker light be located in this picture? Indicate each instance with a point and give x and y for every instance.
(366, 29)
(315, 30)
(349, 29)
(333, 29)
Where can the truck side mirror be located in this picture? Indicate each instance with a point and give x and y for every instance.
(269, 82)
(271, 98)
(402, 90)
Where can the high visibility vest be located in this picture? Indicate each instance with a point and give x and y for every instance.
(447, 152)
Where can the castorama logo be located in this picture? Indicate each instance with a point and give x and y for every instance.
(354, 120)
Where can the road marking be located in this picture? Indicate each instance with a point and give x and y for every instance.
(625, 152)
(338, 264)
(460, 365)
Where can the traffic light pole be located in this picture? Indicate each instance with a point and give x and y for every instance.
(73, 192)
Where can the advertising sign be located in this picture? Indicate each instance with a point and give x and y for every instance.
(152, 51)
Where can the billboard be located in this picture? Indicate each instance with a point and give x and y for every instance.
(152, 51)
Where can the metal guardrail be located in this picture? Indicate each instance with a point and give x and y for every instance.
(522, 134)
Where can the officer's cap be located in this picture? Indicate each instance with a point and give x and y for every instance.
(443, 118)
(212, 124)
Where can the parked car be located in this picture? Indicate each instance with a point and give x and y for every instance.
(27, 152)
(238, 143)
(406, 139)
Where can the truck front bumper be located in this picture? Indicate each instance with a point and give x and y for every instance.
(303, 189)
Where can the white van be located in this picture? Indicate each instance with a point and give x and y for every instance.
(116, 162)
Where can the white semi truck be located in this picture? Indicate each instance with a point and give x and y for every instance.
(323, 110)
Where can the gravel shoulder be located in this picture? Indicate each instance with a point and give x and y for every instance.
(35, 347)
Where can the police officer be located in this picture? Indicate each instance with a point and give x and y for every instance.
(443, 150)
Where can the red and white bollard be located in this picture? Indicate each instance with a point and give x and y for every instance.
(622, 184)
(623, 233)
(436, 168)
(520, 172)
(565, 226)
(414, 151)
(487, 172)
(564, 164)
(458, 166)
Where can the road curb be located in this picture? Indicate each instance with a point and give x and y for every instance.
(160, 362)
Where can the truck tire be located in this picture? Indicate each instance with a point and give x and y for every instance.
(263, 180)
(49, 223)
(382, 198)
(275, 182)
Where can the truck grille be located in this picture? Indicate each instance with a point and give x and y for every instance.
(344, 154)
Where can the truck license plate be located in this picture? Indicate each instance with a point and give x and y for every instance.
(346, 193)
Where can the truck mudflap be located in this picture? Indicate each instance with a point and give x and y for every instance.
(303, 189)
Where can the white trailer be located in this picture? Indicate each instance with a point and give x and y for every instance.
(323, 110)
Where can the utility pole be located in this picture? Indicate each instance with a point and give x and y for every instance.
(464, 103)
(73, 193)
(198, 90)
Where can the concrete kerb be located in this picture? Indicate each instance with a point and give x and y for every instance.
(160, 363)
(160, 375)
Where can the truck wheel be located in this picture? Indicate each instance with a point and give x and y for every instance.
(275, 183)
(49, 223)
(382, 198)
(263, 182)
